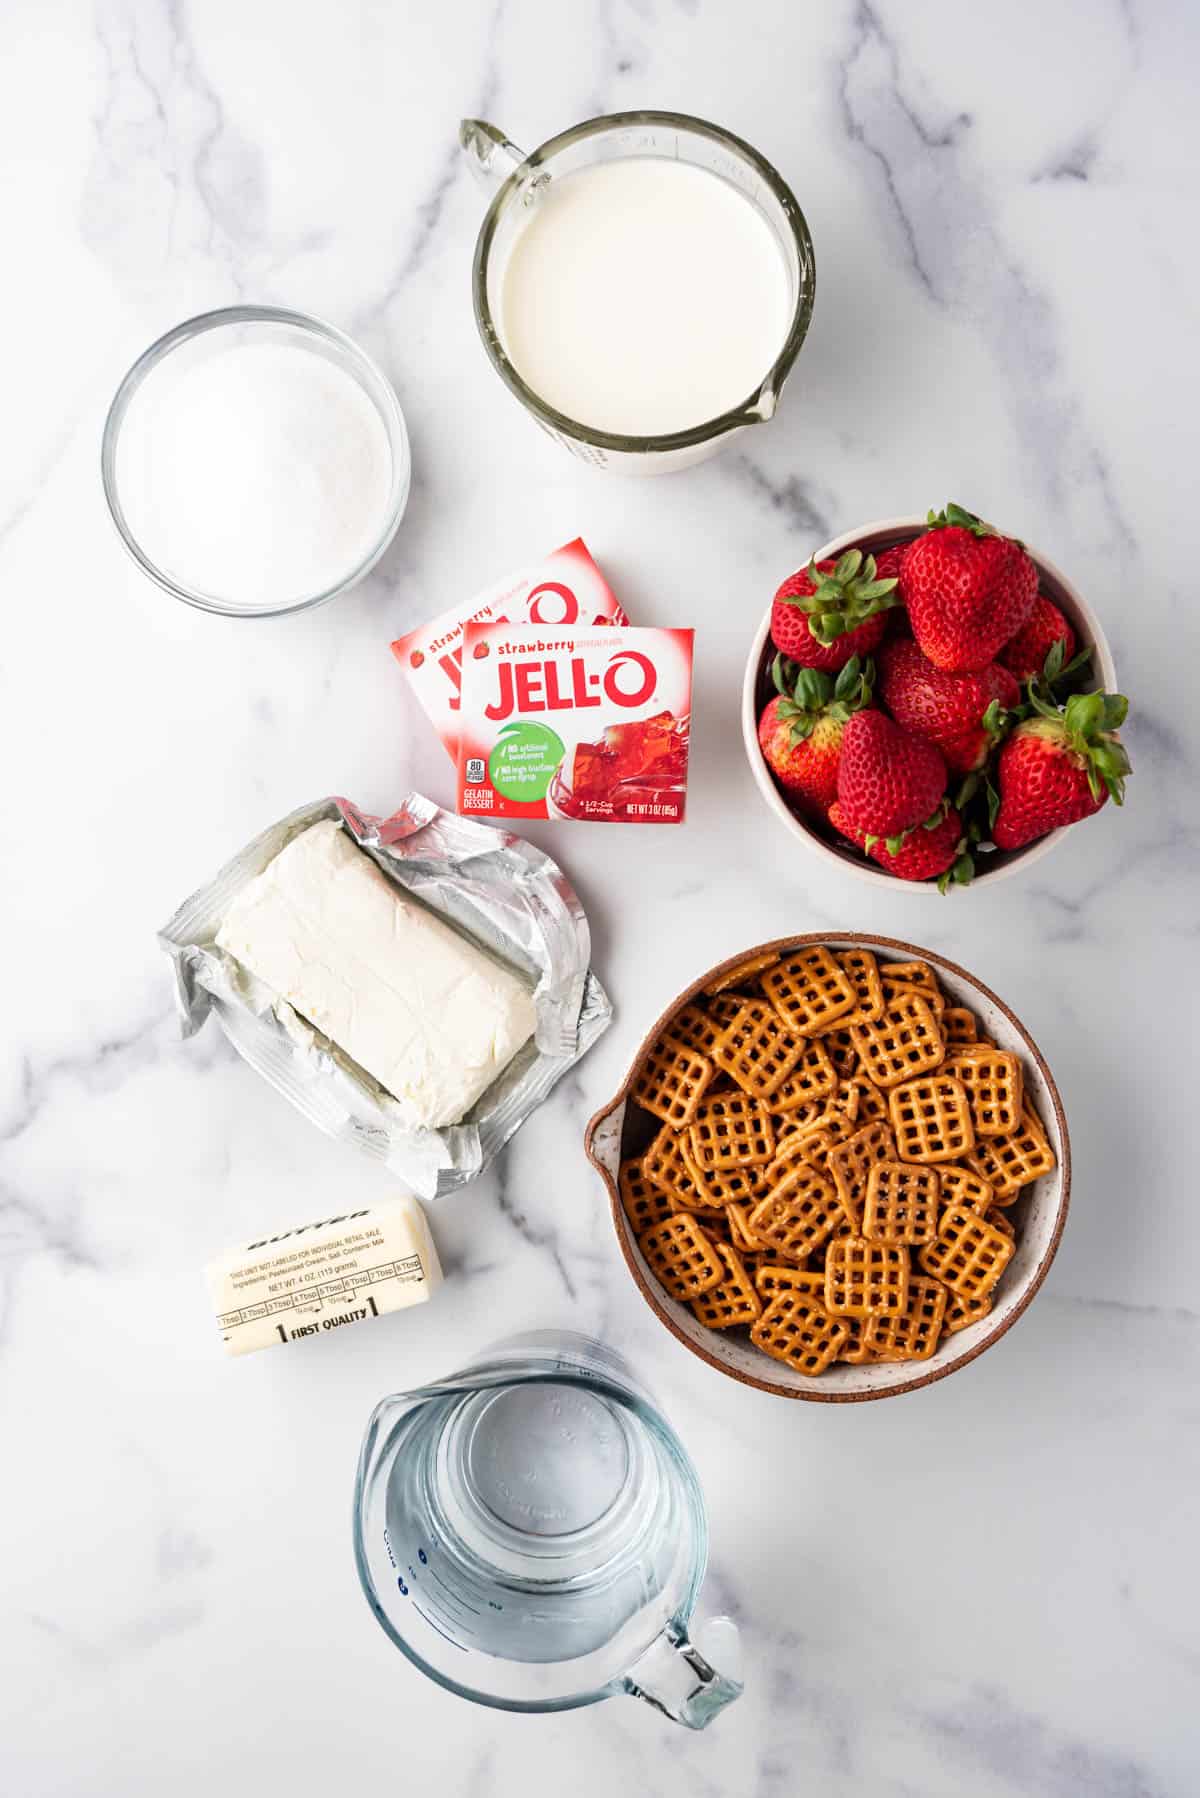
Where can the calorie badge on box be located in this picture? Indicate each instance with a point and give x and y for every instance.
(579, 724)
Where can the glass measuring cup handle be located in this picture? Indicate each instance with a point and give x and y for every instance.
(491, 156)
(676, 1679)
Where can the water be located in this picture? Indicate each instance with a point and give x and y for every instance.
(533, 1522)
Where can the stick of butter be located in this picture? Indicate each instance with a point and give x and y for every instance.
(428, 1015)
(304, 1283)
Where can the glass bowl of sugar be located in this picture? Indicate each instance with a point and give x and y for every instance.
(255, 462)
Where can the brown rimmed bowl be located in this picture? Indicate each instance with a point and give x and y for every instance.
(621, 1128)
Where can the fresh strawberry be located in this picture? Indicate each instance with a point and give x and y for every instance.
(800, 731)
(1025, 654)
(830, 611)
(937, 847)
(967, 590)
(887, 562)
(1060, 766)
(962, 713)
(888, 779)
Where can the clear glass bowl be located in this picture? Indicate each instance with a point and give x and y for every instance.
(241, 324)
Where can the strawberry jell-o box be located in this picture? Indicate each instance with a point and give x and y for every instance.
(584, 723)
(565, 588)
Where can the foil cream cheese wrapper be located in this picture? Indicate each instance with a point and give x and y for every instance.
(495, 889)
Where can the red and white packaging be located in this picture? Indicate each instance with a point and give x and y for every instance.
(579, 724)
(565, 588)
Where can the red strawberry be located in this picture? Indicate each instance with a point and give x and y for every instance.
(830, 611)
(888, 779)
(933, 848)
(800, 731)
(967, 590)
(1025, 654)
(955, 711)
(1060, 766)
(887, 562)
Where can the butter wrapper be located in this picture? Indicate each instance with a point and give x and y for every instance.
(498, 891)
(304, 1283)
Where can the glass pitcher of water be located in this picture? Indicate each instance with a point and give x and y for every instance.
(531, 1533)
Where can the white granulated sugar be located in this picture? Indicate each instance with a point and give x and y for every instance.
(258, 475)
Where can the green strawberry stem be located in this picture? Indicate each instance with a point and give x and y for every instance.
(1085, 727)
(844, 596)
(966, 521)
(807, 695)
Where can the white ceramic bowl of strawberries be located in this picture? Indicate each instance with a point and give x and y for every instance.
(805, 814)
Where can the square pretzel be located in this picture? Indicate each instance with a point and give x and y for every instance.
(742, 973)
(870, 1103)
(995, 1087)
(1011, 1162)
(911, 973)
(722, 1186)
(969, 1255)
(813, 1146)
(960, 1186)
(905, 1041)
(755, 1049)
(912, 1334)
(743, 1238)
(959, 1027)
(898, 977)
(681, 1258)
(797, 1330)
(724, 1007)
(733, 1300)
(664, 1166)
(931, 1119)
(731, 1130)
(809, 990)
(644, 1203)
(862, 971)
(901, 1203)
(857, 1350)
(672, 1080)
(864, 1278)
(813, 1077)
(696, 1027)
(777, 1276)
(795, 1123)
(798, 1214)
(851, 1162)
(962, 1313)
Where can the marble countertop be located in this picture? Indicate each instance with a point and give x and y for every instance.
(979, 1591)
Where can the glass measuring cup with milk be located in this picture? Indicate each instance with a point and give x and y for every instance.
(642, 283)
(531, 1532)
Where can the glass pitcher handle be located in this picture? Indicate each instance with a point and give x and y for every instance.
(676, 1679)
(491, 156)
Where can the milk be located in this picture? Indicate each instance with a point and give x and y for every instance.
(644, 296)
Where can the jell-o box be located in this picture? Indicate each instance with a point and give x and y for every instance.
(564, 589)
(581, 724)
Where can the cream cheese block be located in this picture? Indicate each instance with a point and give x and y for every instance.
(425, 1012)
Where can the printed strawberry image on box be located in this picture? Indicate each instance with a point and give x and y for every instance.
(580, 724)
(565, 588)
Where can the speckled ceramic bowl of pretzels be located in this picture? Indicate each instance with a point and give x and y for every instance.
(838, 1167)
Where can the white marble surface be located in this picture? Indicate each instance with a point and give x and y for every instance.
(980, 1590)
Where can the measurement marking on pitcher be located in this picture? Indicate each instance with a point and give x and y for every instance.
(452, 1594)
(441, 1632)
